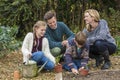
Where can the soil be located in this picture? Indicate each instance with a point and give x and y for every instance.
(13, 61)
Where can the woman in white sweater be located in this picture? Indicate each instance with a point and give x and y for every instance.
(35, 47)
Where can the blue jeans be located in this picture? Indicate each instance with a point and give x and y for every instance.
(100, 46)
(41, 59)
(76, 64)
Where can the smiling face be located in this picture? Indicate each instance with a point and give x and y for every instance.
(88, 19)
(52, 22)
(40, 31)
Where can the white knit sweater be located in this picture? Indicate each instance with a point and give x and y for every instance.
(28, 44)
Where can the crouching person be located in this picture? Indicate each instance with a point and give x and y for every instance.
(35, 47)
(76, 55)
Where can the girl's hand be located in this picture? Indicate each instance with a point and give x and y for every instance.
(74, 71)
(29, 56)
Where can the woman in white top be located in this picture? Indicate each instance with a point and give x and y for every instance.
(35, 47)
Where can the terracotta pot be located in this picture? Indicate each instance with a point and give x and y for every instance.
(16, 75)
(58, 68)
(84, 72)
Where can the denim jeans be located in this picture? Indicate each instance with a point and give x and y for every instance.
(76, 64)
(41, 59)
(100, 46)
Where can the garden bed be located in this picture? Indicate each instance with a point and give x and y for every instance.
(13, 61)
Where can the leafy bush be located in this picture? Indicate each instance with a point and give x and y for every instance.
(117, 38)
(7, 38)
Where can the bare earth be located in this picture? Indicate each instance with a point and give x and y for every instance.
(13, 61)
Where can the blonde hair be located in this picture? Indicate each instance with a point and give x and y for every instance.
(80, 38)
(93, 13)
(37, 25)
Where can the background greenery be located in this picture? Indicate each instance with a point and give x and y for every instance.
(18, 17)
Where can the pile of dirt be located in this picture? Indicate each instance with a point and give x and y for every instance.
(96, 75)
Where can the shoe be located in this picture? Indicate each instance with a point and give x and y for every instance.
(106, 65)
(99, 61)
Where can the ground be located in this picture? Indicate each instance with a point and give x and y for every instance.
(13, 61)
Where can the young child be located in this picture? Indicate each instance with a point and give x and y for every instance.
(35, 47)
(76, 55)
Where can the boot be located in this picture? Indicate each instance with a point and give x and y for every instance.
(99, 60)
(107, 62)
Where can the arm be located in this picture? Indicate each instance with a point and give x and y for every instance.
(52, 43)
(27, 46)
(68, 57)
(69, 34)
(46, 50)
(85, 55)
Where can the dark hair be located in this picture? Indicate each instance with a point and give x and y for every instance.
(80, 38)
(48, 15)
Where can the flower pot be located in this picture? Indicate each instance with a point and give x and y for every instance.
(84, 72)
(16, 75)
(58, 68)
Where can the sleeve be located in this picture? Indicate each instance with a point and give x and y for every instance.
(68, 57)
(27, 46)
(85, 56)
(51, 42)
(46, 50)
(69, 34)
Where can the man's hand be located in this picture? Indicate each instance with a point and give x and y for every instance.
(64, 43)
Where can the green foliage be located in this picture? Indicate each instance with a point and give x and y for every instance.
(23, 13)
(7, 39)
(117, 38)
(57, 59)
(113, 20)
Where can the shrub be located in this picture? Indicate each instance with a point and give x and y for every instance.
(7, 38)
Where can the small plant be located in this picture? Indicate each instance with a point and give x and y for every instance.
(58, 59)
(58, 66)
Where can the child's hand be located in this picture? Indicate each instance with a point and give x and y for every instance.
(81, 68)
(74, 71)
